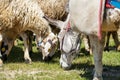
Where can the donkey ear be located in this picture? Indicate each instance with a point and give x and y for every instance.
(59, 24)
(67, 7)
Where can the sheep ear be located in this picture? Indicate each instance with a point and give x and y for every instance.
(57, 23)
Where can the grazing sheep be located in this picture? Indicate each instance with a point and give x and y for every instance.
(54, 9)
(17, 16)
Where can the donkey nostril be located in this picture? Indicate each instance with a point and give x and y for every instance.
(66, 68)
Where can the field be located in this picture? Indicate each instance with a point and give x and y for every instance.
(82, 69)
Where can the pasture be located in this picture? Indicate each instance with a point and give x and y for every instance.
(82, 69)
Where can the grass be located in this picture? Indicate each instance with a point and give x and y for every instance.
(82, 68)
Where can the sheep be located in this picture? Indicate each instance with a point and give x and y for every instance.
(17, 16)
(50, 9)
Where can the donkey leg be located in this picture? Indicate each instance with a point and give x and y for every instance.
(97, 49)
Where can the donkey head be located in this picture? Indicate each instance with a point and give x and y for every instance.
(69, 41)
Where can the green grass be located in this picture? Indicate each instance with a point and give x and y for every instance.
(82, 68)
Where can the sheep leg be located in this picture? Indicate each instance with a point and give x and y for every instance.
(10, 45)
(30, 42)
(116, 40)
(26, 47)
(97, 49)
(1, 62)
(107, 41)
(87, 44)
(6, 47)
(1, 38)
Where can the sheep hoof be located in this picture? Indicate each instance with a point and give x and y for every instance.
(106, 49)
(27, 61)
(118, 48)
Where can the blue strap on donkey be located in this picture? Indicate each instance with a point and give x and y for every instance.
(115, 3)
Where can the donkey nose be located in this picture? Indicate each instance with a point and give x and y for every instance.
(68, 67)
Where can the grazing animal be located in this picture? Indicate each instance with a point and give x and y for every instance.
(83, 19)
(17, 16)
(69, 42)
(54, 9)
(7, 46)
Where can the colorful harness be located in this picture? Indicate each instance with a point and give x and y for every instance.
(112, 4)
